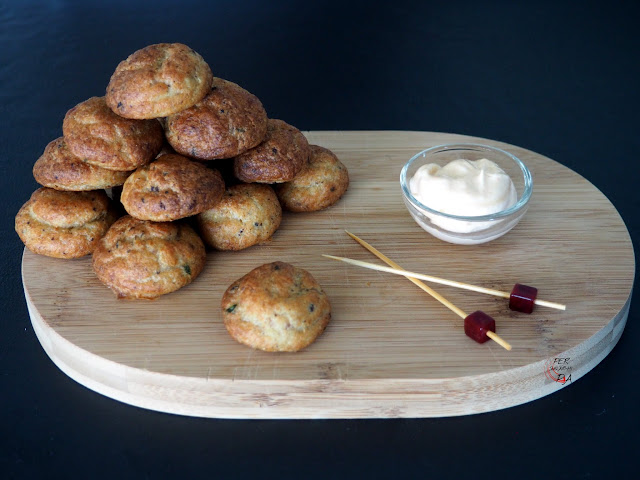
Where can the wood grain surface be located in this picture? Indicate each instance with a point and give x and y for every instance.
(390, 350)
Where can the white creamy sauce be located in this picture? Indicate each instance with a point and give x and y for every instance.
(464, 188)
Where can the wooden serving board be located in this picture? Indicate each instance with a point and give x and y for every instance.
(390, 349)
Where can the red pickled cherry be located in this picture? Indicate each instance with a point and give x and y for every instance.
(477, 324)
(522, 298)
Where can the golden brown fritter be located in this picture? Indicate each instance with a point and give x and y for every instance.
(170, 188)
(320, 184)
(249, 213)
(100, 137)
(279, 158)
(60, 169)
(276, 307)
(158, 81)
(226, 123)
(64, 224)
(142, 259)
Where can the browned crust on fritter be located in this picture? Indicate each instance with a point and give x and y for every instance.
(157, 81)
(100, 137)
(279, 158)
(226, 123)
(170, 188)
(141, 259)
(320, 184)
(60, 169)
(64, 224)
(276, 308)
(249, 213)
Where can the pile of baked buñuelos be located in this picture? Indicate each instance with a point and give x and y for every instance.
(159, 140)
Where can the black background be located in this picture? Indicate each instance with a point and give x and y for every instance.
(559, 78)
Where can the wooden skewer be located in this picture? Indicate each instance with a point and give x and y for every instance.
(493, 336)
(400, 271)
(499, 340)
(424, 287)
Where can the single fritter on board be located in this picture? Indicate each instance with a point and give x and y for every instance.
(158, 81)
(142, 259)
(279, 158)
(64, 224)
(100, 137)
(170, 188)
(226, 123)
(60, 169)
(276, 308)
(321, 183)
(249, 213)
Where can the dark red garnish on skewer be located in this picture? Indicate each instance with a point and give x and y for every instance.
(477, 324)
(522, 298)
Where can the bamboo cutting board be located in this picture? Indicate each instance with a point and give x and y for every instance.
(390, 349)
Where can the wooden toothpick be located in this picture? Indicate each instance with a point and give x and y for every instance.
(442, 281)
(492, 335)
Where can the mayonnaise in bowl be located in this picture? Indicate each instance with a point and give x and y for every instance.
(466, 193)
(466, 188)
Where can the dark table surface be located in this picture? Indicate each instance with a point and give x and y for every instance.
(559, 78)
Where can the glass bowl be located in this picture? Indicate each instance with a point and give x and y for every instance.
(473, 229)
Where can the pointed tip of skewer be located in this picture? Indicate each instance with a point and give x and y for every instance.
(371, 248)
(544, 303)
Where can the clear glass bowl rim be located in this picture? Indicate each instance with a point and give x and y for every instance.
(524, 199)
